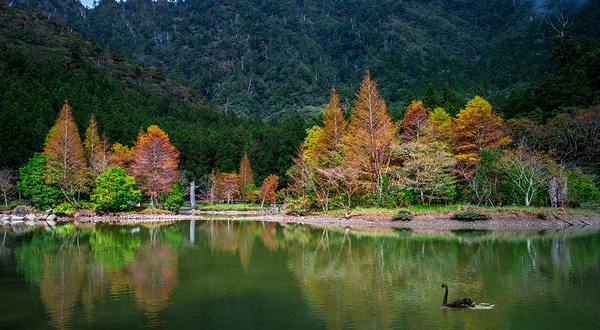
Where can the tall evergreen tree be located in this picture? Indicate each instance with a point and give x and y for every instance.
(431, 98)
(450, 101)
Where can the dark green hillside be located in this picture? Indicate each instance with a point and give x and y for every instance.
(41, 64)
(269, 56)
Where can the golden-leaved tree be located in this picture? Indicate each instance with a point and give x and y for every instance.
(369, 136)
(155, 163)
(66, 163)
(334, 128)
(476, 128)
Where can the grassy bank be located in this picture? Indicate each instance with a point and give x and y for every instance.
(492, 211)
(227, 207)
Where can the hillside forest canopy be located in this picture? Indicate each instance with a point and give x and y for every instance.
(96, 130)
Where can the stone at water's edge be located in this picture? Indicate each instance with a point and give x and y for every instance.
(19, 211)
(51, 218)
(31, 217)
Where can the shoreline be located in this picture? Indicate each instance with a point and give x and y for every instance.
(424, 221)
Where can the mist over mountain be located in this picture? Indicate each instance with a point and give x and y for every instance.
(266, 57)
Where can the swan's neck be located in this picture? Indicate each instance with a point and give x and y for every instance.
(445, 302)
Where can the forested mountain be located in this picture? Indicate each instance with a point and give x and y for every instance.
(266, 57)
(41, 64)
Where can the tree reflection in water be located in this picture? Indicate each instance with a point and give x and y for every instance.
(348, 278)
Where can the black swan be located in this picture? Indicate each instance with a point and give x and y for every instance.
(458, 303)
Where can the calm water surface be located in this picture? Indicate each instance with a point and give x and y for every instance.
(254, 275)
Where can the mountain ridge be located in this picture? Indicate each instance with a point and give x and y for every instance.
(266, 57)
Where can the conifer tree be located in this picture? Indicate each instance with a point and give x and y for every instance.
(95, 148)
(369, 135)
(431, 98)
(66, 163)
(334, 128)
(476, 128)
(450, 101)
(416, 121)
(229, 186)
(155, 163)
(245, 172)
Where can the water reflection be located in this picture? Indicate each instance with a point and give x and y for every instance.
(381, 279)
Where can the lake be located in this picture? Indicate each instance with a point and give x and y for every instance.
(220, 274)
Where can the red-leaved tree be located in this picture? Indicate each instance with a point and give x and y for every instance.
(267, 190)
(155, 162)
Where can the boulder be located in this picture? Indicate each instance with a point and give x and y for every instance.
(19, 211)
(31, 217)
(51, 217)
(16, 219)
(5, 218)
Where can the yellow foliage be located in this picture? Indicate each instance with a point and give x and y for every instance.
(476, 128)
(311, 144)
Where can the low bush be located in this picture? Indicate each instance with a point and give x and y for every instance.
(469, 216)
(402, 215)
(297, 206)
(64, 208)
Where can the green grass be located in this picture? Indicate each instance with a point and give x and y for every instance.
(425, 209)
(434, 209)
(364, 210)
(225, 207)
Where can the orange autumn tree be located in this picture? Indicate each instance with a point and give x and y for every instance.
(245, 172)
(334, 127)
(416, 121)
(370, 134)
(267, 190)
(155, 163)
(476, 128)
(229, 186)
(66, 164)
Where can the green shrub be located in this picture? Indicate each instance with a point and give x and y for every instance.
(469, 216)
(297, 206)
(174, 199)
(581, 189)
(64, 208)
(115, 191)
(32, 183)
(402, 215)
